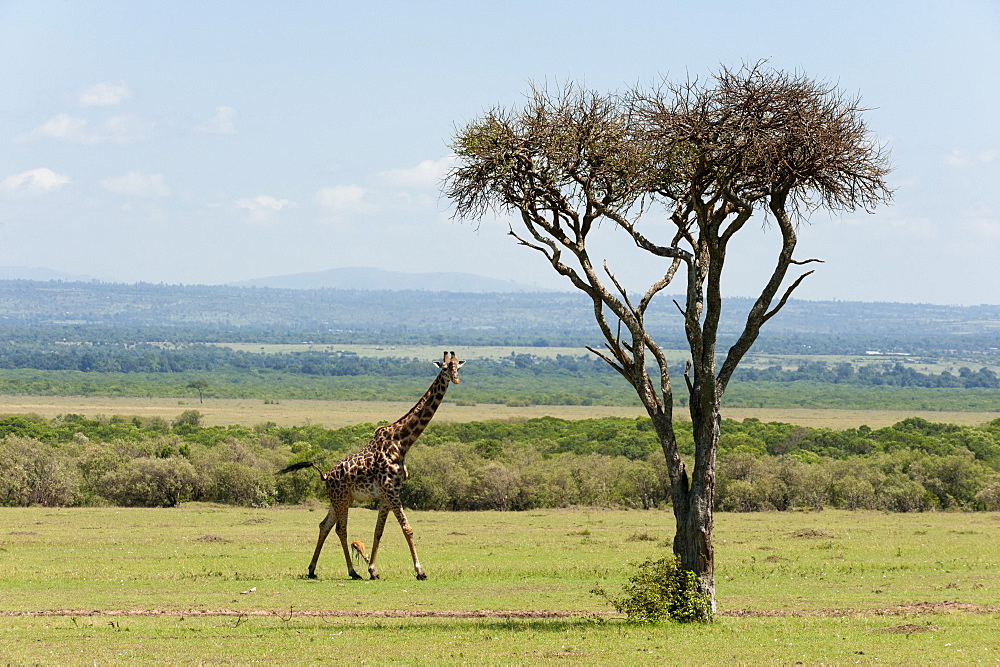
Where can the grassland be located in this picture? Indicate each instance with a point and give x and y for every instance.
(335, 414)
(754, 359)
(424, 352)
(214, 584)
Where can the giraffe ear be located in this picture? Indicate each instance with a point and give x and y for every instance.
(461, 363)
(438, 364)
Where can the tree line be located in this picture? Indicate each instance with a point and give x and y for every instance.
(516, 389)
(914, 465)
(204, 358)
(873, 375)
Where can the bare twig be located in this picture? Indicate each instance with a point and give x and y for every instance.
(784, 297)
(284, 618)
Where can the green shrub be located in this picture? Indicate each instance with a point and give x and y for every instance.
(661, 590)
(35, 473)
(150, 482)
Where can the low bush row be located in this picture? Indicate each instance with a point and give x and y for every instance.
(912, 466)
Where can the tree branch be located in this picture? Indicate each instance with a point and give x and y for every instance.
(784, 298)
(608, 360)
(621, 290)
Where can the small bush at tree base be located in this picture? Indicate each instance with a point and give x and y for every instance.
(661, 590)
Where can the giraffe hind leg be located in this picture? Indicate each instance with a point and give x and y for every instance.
(324, 529)
(341, 512)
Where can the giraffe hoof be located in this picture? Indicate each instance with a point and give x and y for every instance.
(421, 576)
(374, 576)
(355, 575)
(312, 576)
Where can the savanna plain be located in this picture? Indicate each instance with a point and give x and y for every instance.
(222, 584)
(214, 584)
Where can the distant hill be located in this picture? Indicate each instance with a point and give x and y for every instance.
(367, 278)
(38, 273)
(496, 318)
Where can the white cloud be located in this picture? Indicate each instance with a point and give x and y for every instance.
(221, 123)
(64, 127)
(988, 230)
(426, 174)
(960, 158)
(415, 201)
(34, 181)
(117, 129)
(105, 94)
(982, 223)
(343, 199)
(263, 207)
(956, 158)
(137, 184)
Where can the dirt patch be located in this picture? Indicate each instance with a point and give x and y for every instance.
(917, 608)
(945, 607)
(640, 537)
(909, 629)
(211, 538)
(810, 533)
(901, 610)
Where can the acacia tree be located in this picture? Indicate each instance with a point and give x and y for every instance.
(707, 155)
(200, 386)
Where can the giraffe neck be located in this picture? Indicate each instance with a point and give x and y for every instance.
(408, 428)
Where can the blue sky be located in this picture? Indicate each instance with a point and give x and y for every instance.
(208, 142)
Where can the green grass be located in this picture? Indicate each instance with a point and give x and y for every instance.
(928, 364)
(921, 363)
(227, 584)
(934, 639)
(510, 387)
(335, 414)
(425, 352)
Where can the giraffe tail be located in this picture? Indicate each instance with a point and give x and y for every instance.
(299, 466)
(359, 551)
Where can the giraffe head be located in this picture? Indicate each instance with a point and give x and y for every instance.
(450, 365)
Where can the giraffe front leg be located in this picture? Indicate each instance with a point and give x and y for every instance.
(383, 512)
(397, 509)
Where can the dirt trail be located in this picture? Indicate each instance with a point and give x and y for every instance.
(915, 609)
(919, 608)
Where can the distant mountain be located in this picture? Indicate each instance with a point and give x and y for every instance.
(39, 273)
(477, 318)
(367, 278)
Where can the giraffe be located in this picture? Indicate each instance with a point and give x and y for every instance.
(378, 471)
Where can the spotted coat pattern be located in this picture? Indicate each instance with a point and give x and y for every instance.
(378, 470)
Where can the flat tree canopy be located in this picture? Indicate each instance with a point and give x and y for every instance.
(709, 154)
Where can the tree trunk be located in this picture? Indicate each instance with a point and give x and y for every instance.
(692, 498)
(693, 540)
